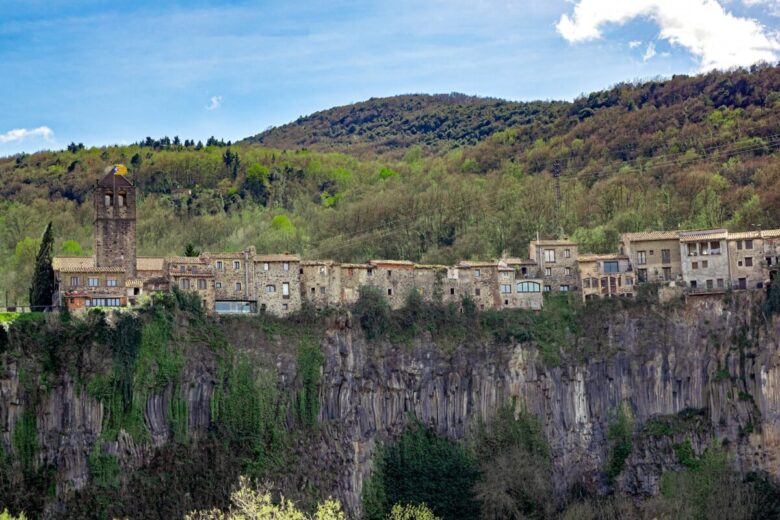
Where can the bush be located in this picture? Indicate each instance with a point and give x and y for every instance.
(373, 311)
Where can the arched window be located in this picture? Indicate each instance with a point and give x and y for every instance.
(107, 199)
(526, 287)
(121, 200)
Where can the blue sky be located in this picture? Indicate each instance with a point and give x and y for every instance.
(114, 72)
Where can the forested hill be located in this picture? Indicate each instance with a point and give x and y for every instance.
(390, 126)
(393, 124)
(690, 152)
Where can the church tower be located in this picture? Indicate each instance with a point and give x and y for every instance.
(114, 228)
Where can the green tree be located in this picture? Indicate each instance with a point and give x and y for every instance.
(42, 288)
(71, 247)
(190, 251)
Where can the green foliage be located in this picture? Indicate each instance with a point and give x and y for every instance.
(104, 468)
(5, 515)
(190, 251)
(657, 427)
(386, 173)
(772, 302)
(42, 287)
(685, 455)
(422, 468)
(24, 440)
(372, 311)
(620, 436)
(71, 248)
(410, 512)
(309, 364)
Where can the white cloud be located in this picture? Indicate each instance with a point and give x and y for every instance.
(20, 134)
(716, 37)
(633, 44)
(216, 102)
(650, 52)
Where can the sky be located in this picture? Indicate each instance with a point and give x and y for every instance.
(113, 72)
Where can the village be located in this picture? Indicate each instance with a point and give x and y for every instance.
(690, 262)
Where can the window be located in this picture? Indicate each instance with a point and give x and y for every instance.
(666, 256)
(93, 282)
(705, 264)
(641, 275)
(526, 287)
(547, 288)
(692, 250)
(742, 283)
(694, 265)
(452, 290)
(220, 265)
(74, 281)
(476, 291)
(548, 271)
(313, 290)
(218, 285)
(201, 284)
(370, 272)
(504, 274)
(238, 286)
(322, 290)
(266, 266)
(709, 284)
(111, 282)
(567, 271)
(611, 267)
(121, 200)
(567, 253)
(693, 284)
(641, 257)
(272, 289)
(748, 244)
(586, 283)
(389, 292)
(286, 266)
(323, 270)
(563, 288)
(505, 288)
(234, 307)
(704, 248)
(748, 261)
(651, 252)
(107, 200)
(236, 265)
(720, 283)
(739, 244)
(285, 306)
(549, 255)
(629, 280)
(184, 283)
(667, 273)
(715, 248)
(285, 290)
(477, 273)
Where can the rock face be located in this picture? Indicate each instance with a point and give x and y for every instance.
(714, 361)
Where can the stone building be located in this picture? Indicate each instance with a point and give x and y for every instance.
(114, 226)
(192, 274)
(395, 278)
(277, 282)
(704, 259)
(80, 284)
(654, 255)
(352, 277)
(321, 283)
(234, 283)
(748, 266)
(557, 261)
(606, 276)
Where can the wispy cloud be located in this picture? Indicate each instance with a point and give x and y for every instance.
(649, 52)
(633, 44)
(214, 103)
(697, 25)
(21, 134)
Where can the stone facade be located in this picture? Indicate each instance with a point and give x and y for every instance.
(277, 283)
(115, 204)
(705, 261)
(557, 261)
(747, 264)
(606, 276)
(234, 283)
(321, 283)
(192, 274)
(654, 255)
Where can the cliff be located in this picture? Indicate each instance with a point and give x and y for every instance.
(703, 371)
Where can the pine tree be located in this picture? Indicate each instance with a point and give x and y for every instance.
(191, 251)
(42, 287)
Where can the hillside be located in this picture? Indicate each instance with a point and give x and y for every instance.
(688, 152)
(389, 126)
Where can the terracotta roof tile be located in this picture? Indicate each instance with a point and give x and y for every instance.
(650, 235)
(149, 263)
(277, 258)
(543, 242)
(71, 262)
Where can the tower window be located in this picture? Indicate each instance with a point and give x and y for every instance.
(107, 200)
(121, 200)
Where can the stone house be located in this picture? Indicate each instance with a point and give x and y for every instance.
(277, 283)
(557, 261)
(705, 260)
(771, 252)
(429, 282)
(234, 282)
(320, 282)
(395, 278)
(482, 280)
(606, 276)
(747, 263)
(80, 284)
(352, 278)
(192, 274)
(654, 255)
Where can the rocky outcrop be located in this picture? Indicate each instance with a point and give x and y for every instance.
(709, 365)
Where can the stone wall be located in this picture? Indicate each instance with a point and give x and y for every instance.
(277, 284)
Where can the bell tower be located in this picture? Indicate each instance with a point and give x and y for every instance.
(114, 228)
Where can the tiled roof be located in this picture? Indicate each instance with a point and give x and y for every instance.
(468, 263)
(92, 270)
(399, 263)
(519, 261)
(184, 260)
(355, 266)
(717, 235)
(429, 266)
(149, 263)
(60, 263)
(544, 242)
(277, 258)
(111, 180)
(596, 258)
(771, 233)
(650, 235)
(222, 255)
(744, 234)
(317, 262)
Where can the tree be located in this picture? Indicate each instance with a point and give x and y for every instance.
(190, 251)
(42, 288)
(248, 503)
(71, 247)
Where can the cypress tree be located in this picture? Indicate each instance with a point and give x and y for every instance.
(42, 287)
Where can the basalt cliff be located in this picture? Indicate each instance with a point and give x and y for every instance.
(707, 368)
